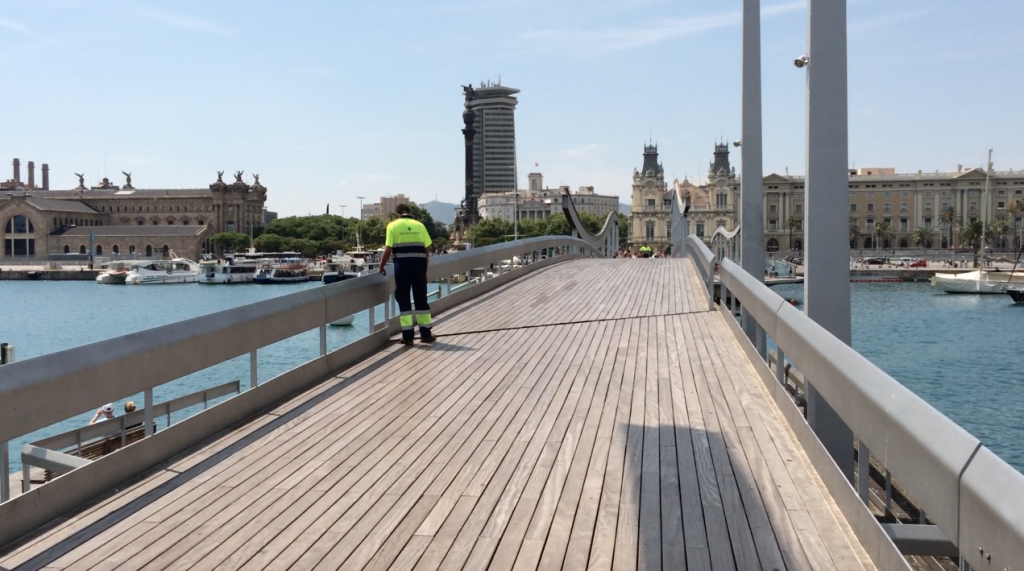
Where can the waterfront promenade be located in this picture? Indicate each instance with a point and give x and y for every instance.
(593, 414)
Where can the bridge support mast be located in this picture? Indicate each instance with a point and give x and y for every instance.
(827, 279)
(751, 186)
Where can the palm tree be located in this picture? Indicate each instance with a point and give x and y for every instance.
(971, 233)
(921, 235)
(949, 219)
(854, 232)
(882, 232)
(792, 223)
(1014, 207)
(998, 230)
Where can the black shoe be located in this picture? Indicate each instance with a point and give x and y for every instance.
(427, 337)
(407, 341)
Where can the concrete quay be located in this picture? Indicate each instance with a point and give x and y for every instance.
(82, 273)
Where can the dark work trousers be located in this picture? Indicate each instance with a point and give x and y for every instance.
(411, 274)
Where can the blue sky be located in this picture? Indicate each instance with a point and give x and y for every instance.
(330, 100)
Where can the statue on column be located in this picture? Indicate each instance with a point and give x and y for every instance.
(81, 180)
(128, 179)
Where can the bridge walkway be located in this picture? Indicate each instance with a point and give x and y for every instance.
(593, 415)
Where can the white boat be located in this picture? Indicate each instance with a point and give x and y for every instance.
(228, 271)
(176, 271)
(978, 281)
(361, 263)
(114, 273)
(347, 320)
(290, 271)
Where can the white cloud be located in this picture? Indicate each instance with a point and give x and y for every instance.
(13, 25)
(191, 23)
(613, 38)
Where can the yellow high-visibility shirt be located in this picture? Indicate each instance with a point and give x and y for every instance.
(407, 238)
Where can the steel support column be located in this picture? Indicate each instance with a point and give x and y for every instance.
(751, 186)
(826, 248)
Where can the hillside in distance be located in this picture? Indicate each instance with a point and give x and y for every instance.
(440, 211)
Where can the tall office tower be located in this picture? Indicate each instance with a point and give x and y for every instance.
(494, 144)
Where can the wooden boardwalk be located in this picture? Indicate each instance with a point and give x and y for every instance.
(593, 415)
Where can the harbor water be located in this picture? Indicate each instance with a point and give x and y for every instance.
(960, 353)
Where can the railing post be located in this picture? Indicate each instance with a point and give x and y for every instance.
(323, 339)
(863, 470)
(252, 369)
(373, 321)
(780, 365)
(5, 468)
(711, 283)
(751, 183)
(147, 401)
(26, 477)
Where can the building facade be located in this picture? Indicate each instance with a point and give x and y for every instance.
(494, 144)
(888, 210)
(651, 205)
(538, 202)
(40, 223)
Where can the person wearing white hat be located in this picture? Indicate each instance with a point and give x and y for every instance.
(105, 412)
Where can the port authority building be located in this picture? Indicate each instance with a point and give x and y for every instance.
(887, 210)
(122, 222)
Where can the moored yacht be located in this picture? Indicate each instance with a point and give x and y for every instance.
(287, 271)
(978, 281)
(176, 271)
(113, 273)
(228, 271)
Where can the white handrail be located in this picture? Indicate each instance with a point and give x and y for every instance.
(971, 494)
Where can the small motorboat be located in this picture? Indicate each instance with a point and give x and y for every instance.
(288, 271)
(344, 321)
(978, 281)
(1016, 293)
(228, 271)
(113, 273)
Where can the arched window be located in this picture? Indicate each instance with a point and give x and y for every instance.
(131, 249)
(67, 249)
(81, 249)
(184, 222)
(798, 245)
(165, 250)
(116, 249)
(19, 225)
(904, 243)
(867, 242)
(773, 245)
(99, 250)
(149, 251)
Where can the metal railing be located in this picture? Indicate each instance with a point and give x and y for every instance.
(88, 376)
(975, 498)
(606, 241)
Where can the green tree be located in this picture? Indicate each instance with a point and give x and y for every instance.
(623, 230)
(1015, 207)
(308, 248)
(882, 234)
(998, 230)
(970, 233)
(490, 231)
(272, 243)
(230, 241)
(373, 231)
(854, 232)
(557, 225)
(949, 219)
(921, 236)
(792, 223)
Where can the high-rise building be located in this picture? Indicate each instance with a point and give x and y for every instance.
(494, 145)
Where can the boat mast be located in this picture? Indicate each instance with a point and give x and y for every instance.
(984, 203)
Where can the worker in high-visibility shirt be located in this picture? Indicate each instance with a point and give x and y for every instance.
(645, 251)
(408, 243)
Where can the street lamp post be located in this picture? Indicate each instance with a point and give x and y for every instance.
(359, 228)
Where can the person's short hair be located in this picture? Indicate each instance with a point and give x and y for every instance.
(129, 406)
(403, 209)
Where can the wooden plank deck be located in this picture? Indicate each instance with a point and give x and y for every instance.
(594, 415)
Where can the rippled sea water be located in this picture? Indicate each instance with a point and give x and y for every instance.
(963, 354)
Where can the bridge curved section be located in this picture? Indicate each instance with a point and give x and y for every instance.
(606, 241)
